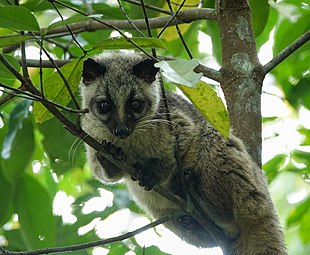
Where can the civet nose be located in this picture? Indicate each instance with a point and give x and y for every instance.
(122, 131)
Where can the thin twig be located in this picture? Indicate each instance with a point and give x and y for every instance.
(23, 58)
(286, 52)
(69, 29)
(63, 78)
(127, 17)
(67, 85)
(21, 93)
(151, 7)
(91, 244)
(64, 47)
(106, 24)
(6, 99)
(41, 69)
(88, 7)
(274, 95)
(167, 111)
(173, 15)
(149, 30)
(9, 97)
(17, 94)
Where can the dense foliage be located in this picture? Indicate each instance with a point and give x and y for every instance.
(43, 165)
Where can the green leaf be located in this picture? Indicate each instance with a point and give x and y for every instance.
(118, 248)
(18, 18)
(300, 93)
(180, 71)
(15, 240)
(18, 142)
(13, 39)
(273, 166)
(5, 74)
(306, 133)
(73, 182)
(121, 43)
(111, 11)
(263, 37)
(302, 157)
(17, 116)
(6, 208)
(259, 11)
(94, 37)
(20, 153)
(290, 27)
(269, 119)
(154, 250)
(56, 90)
(35, 213)
(36, 5)
(64, 150)
(210, 106)
(298, 212)
(304, 229)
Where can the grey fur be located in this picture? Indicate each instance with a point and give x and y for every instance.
(232, 188)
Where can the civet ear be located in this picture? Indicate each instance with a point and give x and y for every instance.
(92, 70)
(146, 70)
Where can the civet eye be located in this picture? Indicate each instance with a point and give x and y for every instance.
(137, 106)
(104, 106)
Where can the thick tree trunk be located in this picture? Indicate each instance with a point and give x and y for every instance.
(241, 73)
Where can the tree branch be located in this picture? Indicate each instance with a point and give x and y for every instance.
(90, 244)
(45, 63)
(185, 16)
(208, 72)
(286, 52)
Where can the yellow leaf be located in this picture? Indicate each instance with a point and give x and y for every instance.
(209, 104)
